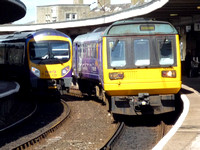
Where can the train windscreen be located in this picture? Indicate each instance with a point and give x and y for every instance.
(117, 53)
(141, 51)
(49, 51)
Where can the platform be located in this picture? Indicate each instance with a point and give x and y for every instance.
(185, 134)
(7, 88)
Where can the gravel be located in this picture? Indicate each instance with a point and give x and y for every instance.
(88, 127)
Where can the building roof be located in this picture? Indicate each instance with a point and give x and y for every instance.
(11, 10)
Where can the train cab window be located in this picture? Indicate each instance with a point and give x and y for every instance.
(39, 51)
(2, 53)
(141, 52)
(165, 52)
(15, 53)
(60, 50)
(117, 53)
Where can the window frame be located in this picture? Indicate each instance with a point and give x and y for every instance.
(10, 57)
(154, 52)
(173, 50)
(134, 51)
(113, 39)
(50, 53)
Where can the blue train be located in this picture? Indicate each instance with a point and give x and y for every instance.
(39, 60)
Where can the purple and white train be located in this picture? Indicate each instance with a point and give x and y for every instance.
(133, 66)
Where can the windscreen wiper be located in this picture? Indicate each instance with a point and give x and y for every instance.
(115, 44)
(56, 58)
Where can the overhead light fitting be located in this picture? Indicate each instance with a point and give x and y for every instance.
(198, 7)
(173, 15)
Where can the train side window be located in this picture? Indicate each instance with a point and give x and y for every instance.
(88, 50)
(117, 53)
(79, 49)
(85, 50)
(2, 53)
(38, 51)
(94, 50)
(141, 52)
(165, 52)
(82, 48)
(60, 50)
(15, 54)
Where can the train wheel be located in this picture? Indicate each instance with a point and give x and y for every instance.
(106, 100)
(98, 93)
(115, 117)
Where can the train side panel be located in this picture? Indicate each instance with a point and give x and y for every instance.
(87, 68)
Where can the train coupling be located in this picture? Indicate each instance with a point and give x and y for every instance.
(52, 84)
(143, 103)
(142, 100)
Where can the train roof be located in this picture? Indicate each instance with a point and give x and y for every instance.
(140, 27)
(93, 36)
(15, 36)
(129, 27)
(23, 35)
(138, 21)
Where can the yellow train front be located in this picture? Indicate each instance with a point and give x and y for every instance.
(50, 60)
(141, 67)
(133, 66)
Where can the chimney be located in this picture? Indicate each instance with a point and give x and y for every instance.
(104, 2)
(78, 1)
(137, 1)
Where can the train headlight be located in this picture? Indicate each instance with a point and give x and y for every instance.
(65, 71)
(35, 71)
(116, 75)
(169, 73)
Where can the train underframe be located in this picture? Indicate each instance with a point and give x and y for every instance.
(143, 104)
(140, 104)
(61, 86)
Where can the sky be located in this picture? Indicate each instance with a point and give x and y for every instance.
(31, 7)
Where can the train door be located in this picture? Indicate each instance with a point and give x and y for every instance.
(75, 66)
(79, 57)
(100, 65)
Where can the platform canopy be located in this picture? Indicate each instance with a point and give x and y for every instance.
(11, 10)
(177, 8)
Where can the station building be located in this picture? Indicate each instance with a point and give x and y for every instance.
(79, 10)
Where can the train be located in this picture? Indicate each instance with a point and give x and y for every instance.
(39, 60)
(132, 66)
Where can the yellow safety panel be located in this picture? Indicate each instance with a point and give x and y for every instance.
(142, 80)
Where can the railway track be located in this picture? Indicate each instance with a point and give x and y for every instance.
(136, 136)
(142, 132)
(139, 133)
(37, 128)
(21, 113)
(129, 135)
(113, 138)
